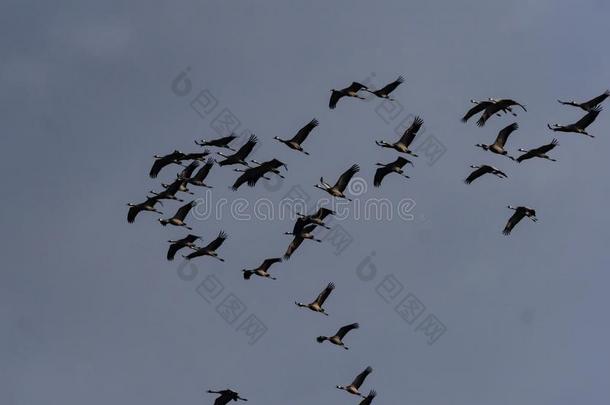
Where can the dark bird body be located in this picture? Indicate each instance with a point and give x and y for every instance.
(176, 245)
(252, 175)
(296, 141)
(162, 161)
(484, 169)
(226, 396)
(337, 339)
(520, 213)
(540, 152)
(581, 125)
(210, 249)
(498, 146)
(316, 218)
(200, 176)
(402, 145)
(219, 142)
(392, 167)
(354, 387)
(306, 233)
(170, 191)
(241, 155)
(351, 91)
(317, 304)
(505, 104)
(338, 189)
(262, 270)
(178, 218)
(148, 205)
(385, 91)
(588, 105)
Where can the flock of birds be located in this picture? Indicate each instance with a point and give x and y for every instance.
(252, 171)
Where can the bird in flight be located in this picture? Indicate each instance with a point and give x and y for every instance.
(540, 152)
(296, 141)
(484, 169)
(520, 213)
(338, 189)
(579, 126)
(498, 146)
(162, 161)
(226, 396)
(305, 233)
(392, 167)
(588, 105)
(209, 250)
(351, 91)
(178, 218)
(219, 142)
(240, 156)
(337, 339)
(262, 270)
(354, 387)
(316, 218)
(317, 304)
(148, 205)
(402, 145)
(385, 91)
(251, 175)
(176, 245)
(504, 104)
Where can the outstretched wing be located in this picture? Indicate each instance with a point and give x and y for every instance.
(223, 399)
(268, 262)
(400, 162)
(388, 88)
(477, 173)
(585, 121)
(527, 155)
(133, 213)
(380, 173)
(504, 133)
(325, 293)
(369, 398)
(173, 249)
(596, 100)
(475, 110)
(243, 152)
(300, 224)
(159, 164)
(188, 171)
(204, 171)
(513, 220)
(355, 86)
(250, 176)
(547, 148)
(322, 213)
(296, 242)
(184, 210)
(490, 109)
(304, 132)
(346, 177)
(215, 244)
(343, 330)
(410, 133)
(335, 96)
(224, 141)
(361, 377)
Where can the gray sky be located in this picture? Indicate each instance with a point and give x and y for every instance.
(93, 313)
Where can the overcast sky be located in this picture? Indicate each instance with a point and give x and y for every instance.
(91, 311)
